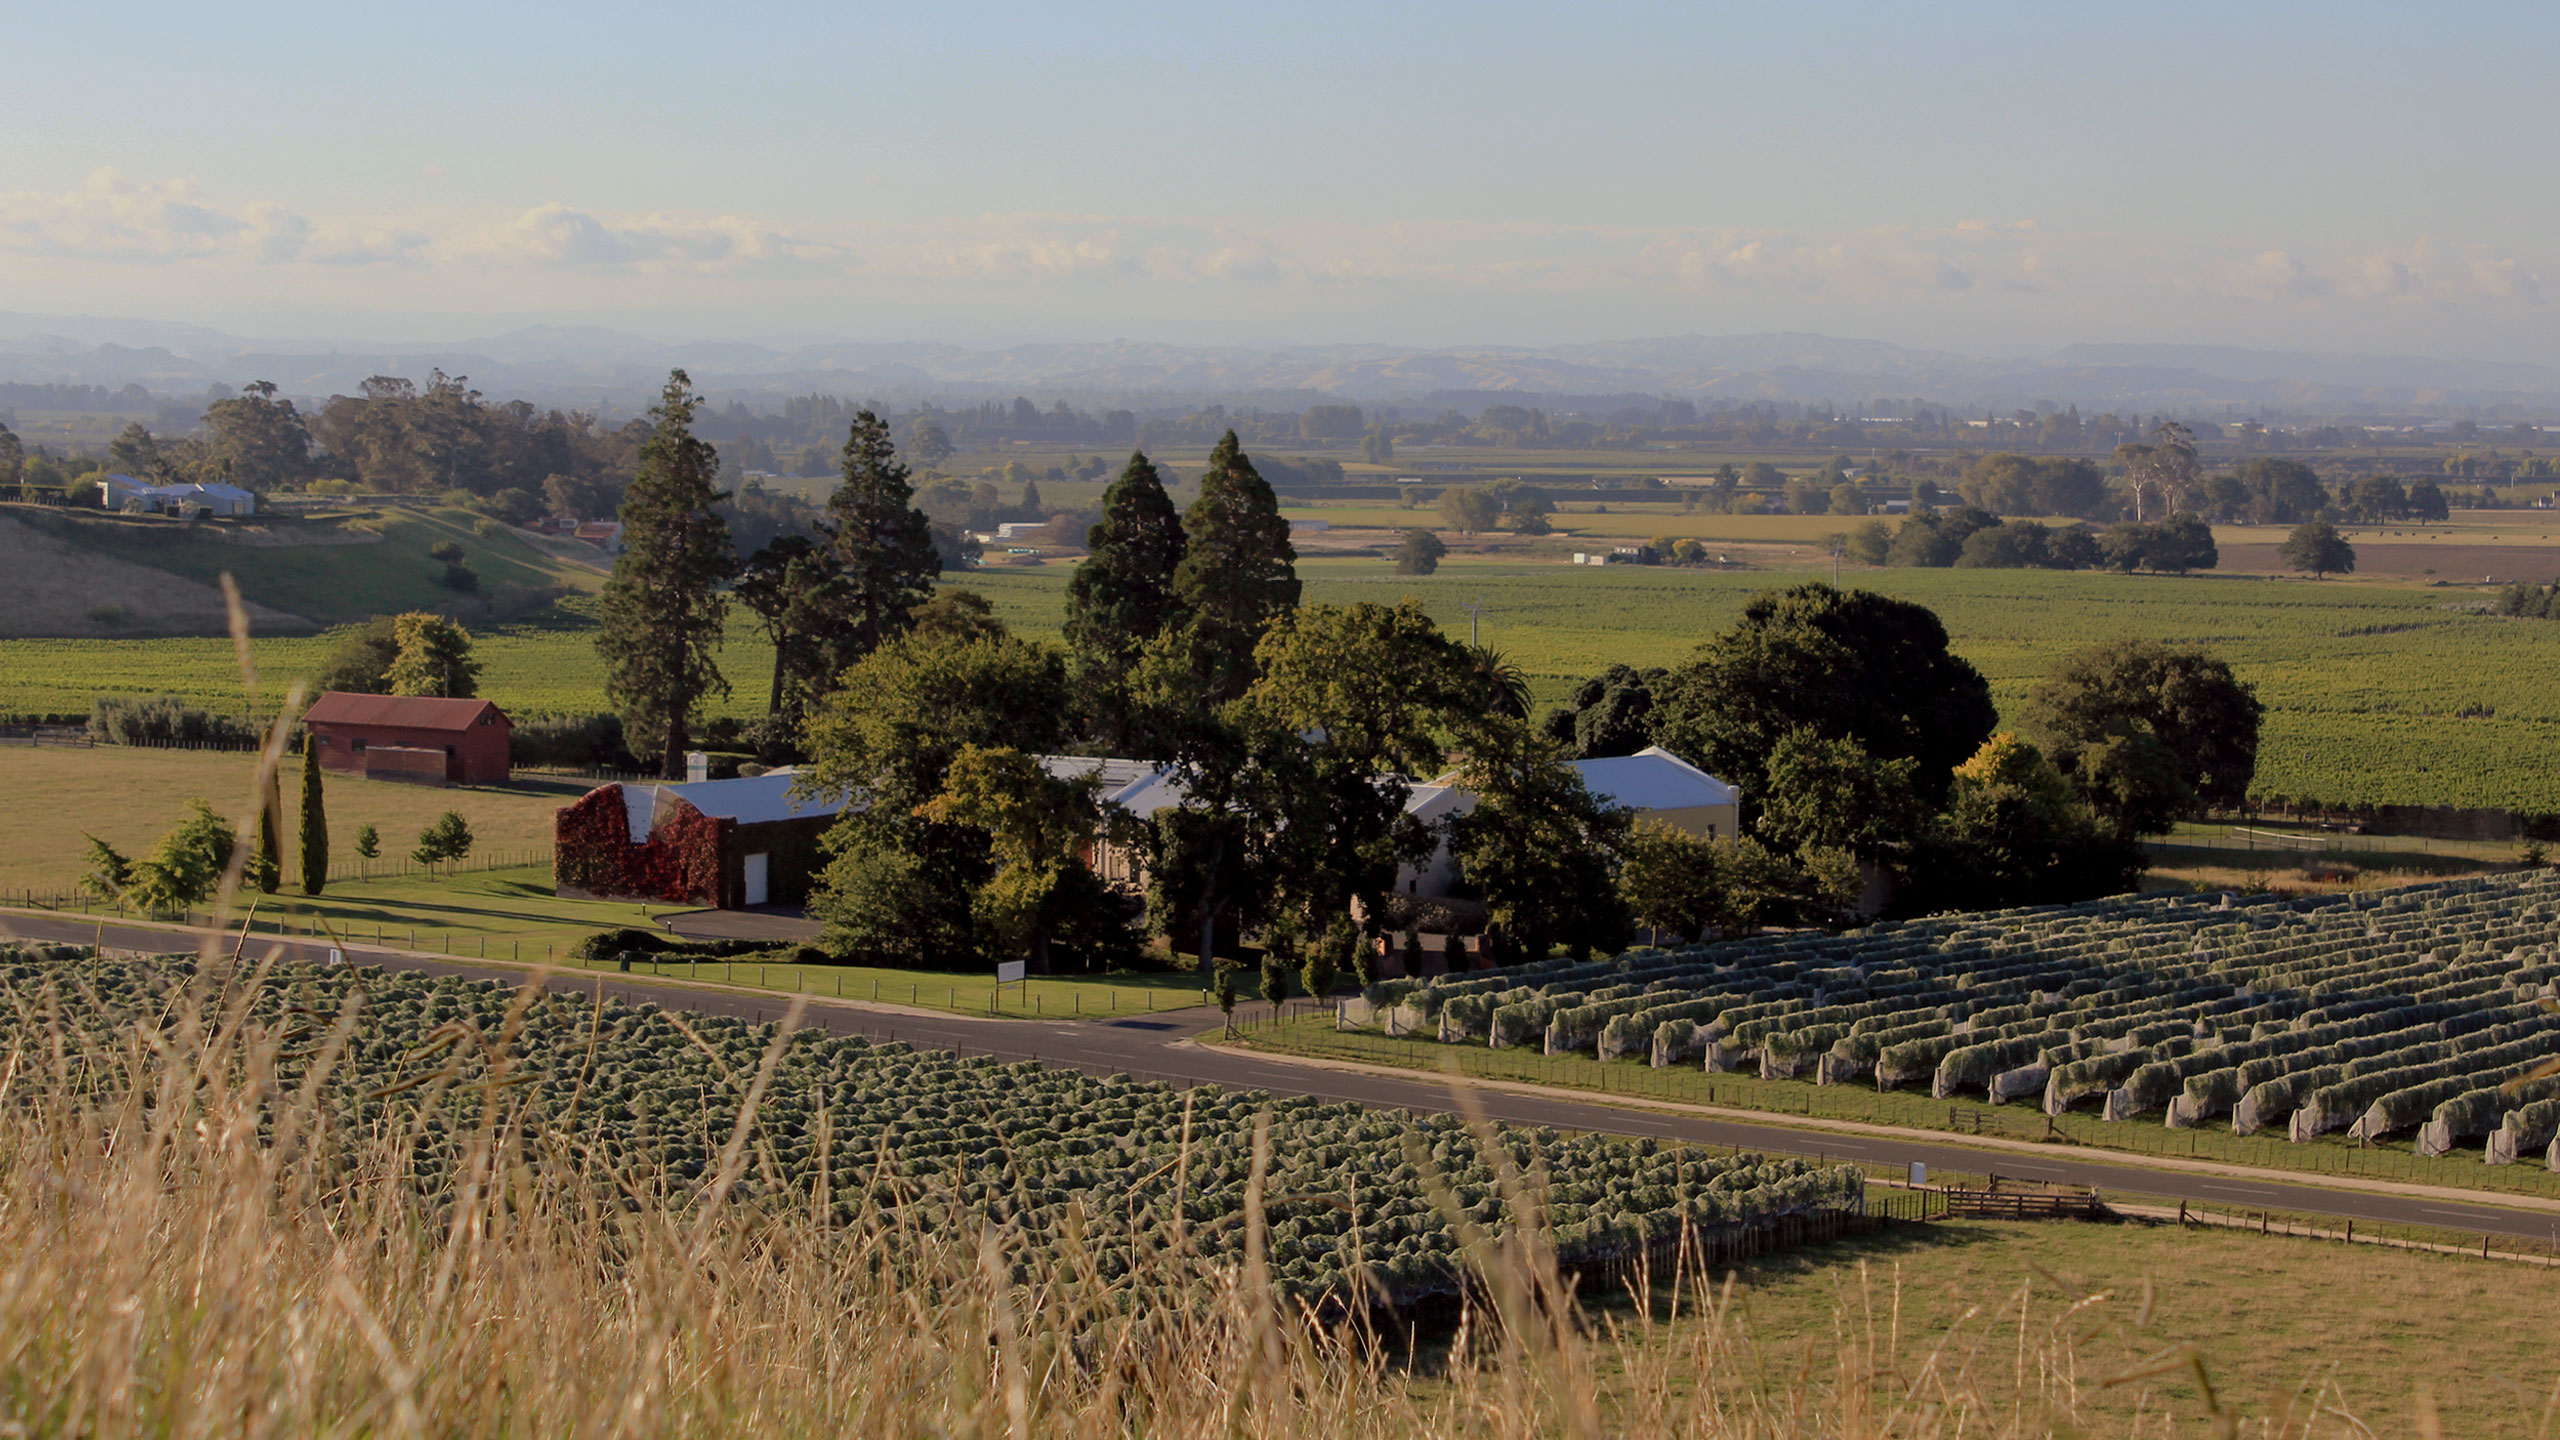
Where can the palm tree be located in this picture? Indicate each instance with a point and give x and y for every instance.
(1504, 688)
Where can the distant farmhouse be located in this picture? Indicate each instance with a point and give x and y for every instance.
(124, 493)
(424, 739)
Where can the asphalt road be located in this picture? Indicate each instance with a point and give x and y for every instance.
(1155, 1047)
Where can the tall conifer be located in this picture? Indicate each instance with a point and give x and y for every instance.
(1237, 572)
(315, 823)
(663, 609)
(267, 867)
(884, 542)
(1123, 595)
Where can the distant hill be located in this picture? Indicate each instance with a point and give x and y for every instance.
(79, 573)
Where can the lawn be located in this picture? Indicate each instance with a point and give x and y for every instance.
(2269, 1317)
(129, 797)
(1691, 1084)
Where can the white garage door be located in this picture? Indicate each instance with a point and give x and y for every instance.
(757, 883)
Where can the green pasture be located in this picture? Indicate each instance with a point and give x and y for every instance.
(328, 566)
(2376, 693)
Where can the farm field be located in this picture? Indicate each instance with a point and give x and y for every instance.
(2264, 1031)
(2377, 693)
(2271, 1318)
(129, 797)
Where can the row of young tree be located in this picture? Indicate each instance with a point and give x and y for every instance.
(189, 863)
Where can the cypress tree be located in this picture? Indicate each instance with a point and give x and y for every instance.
(315, 824)
(1123, 595)
(268, 867)
(1237, 572)
(663, 609)
(885, 543)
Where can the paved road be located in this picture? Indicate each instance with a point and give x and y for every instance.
(1154, 1047)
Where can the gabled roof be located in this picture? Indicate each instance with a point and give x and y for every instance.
(748, 799)
(1653, 779)
(403, 712)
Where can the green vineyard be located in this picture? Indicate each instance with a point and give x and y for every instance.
(2432, 1011)
(1359, 1200)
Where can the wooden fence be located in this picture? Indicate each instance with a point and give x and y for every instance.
(351, 869)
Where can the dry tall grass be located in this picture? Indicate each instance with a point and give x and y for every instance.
(192, 1244)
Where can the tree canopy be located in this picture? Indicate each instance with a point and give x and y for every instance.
(1843, 664)
(882, 542)
(1238, 571)
(2147, 732)
(663, 607)
(1124, 594)
(2317, 546)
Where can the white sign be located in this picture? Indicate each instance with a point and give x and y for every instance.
(1919, 1173)
(1009, 971)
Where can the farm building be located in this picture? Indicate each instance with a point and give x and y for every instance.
(1653, 783)
(421, 738)
(123, 492)
(727, 844)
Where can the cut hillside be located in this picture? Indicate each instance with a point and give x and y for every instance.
(305, 570)
(52, 587)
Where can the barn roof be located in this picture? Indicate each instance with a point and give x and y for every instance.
(1653, 779)
(399, 712)
(748, 799)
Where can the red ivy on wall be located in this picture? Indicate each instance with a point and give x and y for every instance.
(593, 853)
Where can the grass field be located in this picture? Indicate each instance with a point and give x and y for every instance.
(1691, 1084)
(329, 567)
(2270, 1318)
(2378, 692)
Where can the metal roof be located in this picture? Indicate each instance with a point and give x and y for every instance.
(401, 712)
(1653, 779)
(748, 799)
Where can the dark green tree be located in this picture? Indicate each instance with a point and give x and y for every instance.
(1238, 571)
(1538, 847)
(1827, 792)
(883, 541)
(663, 608)
(315, 824)
(13, 454)
(2146, 732)
(360, 661)
(1123, 595)
(266, 867)
(445, 840)
(259, 441)
(958, 615)
(1419, 552)
(794, 586)
(1609, 714)
(899, 886)
(1844, 664)
(2316, 546)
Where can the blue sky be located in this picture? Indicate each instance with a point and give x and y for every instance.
(1977, 176)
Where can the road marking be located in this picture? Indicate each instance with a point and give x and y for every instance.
(2462, 1214)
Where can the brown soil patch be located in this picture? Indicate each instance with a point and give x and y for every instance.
(2537, 561)
(54, 589)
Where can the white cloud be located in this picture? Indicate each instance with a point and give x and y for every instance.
(559, 255)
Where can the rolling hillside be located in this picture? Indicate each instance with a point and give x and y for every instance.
(87, 575)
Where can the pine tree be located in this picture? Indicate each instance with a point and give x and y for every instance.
(885, 543)
(315, 824)
(1123, 595)
(1238, 570)
(663, 609)
(267, 867)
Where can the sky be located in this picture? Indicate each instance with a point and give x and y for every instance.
(2002, 178)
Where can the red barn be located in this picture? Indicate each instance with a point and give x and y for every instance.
(729, 844)
(401, 737)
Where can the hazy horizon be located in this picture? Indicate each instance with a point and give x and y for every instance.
(1978, 178)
